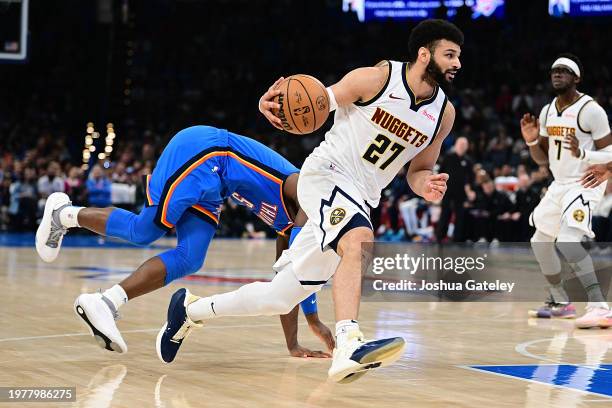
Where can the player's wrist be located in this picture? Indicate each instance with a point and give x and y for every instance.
(533, 142)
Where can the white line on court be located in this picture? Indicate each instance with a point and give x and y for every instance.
(559, 387)
(521, 348)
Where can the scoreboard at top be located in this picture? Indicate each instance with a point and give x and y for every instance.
(368, 10)
(13, 30)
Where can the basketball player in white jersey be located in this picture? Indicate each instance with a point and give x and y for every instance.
(386, 116)
(572, 133)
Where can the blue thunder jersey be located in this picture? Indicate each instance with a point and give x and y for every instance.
(202, 165)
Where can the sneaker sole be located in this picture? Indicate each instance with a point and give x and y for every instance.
(353, 377)
(595, 326)
(101, 339)
(385, 355)
(381, 357)
(534, 314)
(158, 343)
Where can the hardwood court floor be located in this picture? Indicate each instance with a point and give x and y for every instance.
(242, 362)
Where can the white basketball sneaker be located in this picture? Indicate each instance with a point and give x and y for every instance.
(595, 317)
(50, 232)
(352, 360)
(99, 314)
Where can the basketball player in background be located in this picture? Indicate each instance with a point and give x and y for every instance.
(198, 169)
(386, 116)
(571, 133)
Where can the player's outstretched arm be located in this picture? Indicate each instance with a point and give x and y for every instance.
(421, 179)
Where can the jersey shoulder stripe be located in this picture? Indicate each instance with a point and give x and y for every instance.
(578, 116)
(379, 94)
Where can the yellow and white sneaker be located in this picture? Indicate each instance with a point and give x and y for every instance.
(353, 360)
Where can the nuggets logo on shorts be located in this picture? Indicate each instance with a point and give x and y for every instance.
(578, 215)
(337, 215)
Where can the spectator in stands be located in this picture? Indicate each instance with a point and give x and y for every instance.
(602, 217)
(75, 186)
(99, 188)
(489, 214)
(23, 201)
(459, 166)
(526, 199)
(5, 200)
(523, 102)
(51, 182)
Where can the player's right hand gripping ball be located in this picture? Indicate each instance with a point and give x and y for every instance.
(304, 104)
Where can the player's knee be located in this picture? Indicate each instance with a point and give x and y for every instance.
(144, 237)
(353, 235)
(539, 236)
(569, 244)
(270, 306)
(282, 307)
(180, 262)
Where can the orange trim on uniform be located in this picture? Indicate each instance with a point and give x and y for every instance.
(253, 167)
(194, 165)
(283, 201)
(267, 175)
(179, 180)
(206, 212)
(284, 230)
(149, 200)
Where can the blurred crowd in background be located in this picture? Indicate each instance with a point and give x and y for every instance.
(153, 69)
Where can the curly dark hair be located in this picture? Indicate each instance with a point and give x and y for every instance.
(427, 33)
(573, 58)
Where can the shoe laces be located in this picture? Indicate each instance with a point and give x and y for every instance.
(111, 306)
(185, 329)
(55, 235)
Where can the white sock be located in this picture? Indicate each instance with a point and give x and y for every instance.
(202, 309)
(117, 295)
(602, 305)
(343, 329)
(69, 216)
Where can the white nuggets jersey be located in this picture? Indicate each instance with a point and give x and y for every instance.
(371, 141)
(584, 119)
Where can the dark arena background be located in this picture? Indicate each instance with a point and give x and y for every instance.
(91, 92)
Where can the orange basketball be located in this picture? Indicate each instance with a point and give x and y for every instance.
(304, 104)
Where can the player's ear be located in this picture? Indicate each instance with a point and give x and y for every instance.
(424, 55)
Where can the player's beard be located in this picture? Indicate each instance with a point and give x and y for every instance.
(435, 76)
(562, 89)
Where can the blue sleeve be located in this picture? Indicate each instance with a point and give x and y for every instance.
(309, 305)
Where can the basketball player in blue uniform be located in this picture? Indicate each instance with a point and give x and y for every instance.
(199, 168)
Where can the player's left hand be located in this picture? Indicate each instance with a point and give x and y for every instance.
(435, 187)
(571, 143)
(595, 175)
(323, 333)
